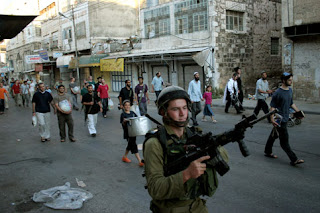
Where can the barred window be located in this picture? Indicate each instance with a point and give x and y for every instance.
(234, 20)
(81, 30)
(181, 25)
(274, 46)
(200, 21)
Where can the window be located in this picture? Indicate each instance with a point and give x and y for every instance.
(199, 21)
(274, 46)
(81, 30)
(163, 11)
(234, 20)
(182, 25)
(67, 33)
(38, 31)
(150, 30)
(164, 27)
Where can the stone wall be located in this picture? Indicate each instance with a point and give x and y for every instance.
(249, 49)
(233, 48)
(267, 25)
(306, 69)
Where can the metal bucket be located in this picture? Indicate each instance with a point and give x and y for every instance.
(138, 126)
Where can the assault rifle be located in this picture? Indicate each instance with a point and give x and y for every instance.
(207, 144)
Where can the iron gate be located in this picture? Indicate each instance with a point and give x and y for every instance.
(118, 78)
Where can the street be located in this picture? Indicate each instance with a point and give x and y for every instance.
(253, 184)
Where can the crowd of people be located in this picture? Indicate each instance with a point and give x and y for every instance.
(178, 192)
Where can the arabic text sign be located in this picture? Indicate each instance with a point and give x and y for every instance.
(112, 65)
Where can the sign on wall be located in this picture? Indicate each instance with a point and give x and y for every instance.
(112, 65)
(32, 59)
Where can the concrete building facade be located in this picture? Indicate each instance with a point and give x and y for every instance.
(301, 47)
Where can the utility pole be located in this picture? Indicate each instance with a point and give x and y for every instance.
(76, 48)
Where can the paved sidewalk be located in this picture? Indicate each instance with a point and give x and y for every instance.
(308, 108)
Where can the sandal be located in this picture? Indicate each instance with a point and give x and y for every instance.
(47, 139)
(299, 161)
(271, 155)
(43, 140)
(62, 140)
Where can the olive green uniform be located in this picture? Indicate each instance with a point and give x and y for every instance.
(170, 194)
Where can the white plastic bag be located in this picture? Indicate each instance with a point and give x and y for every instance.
(65, 105)
(110, 104)
(34, 120)
(62, 197)
(137, 110)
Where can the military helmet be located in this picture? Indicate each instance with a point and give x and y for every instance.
(171, 93)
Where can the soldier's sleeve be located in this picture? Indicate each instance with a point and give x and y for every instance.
(159, 186)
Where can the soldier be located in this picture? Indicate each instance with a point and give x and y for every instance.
(179, 192)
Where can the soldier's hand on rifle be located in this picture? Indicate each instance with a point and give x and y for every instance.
(195, 169)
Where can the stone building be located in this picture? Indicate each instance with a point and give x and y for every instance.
(301, 47)
(209, 36)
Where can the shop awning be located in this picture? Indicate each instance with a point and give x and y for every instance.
(91, 60)
(27, 71)
(158, 55)
(11, 25)
(63, 61)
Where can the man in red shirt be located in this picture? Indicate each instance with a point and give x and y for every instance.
(103, 94)
(16, 92)
(3, 92)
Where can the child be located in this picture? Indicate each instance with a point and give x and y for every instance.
(131, 140)
(207, 108)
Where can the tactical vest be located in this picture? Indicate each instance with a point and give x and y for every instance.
(206, 184)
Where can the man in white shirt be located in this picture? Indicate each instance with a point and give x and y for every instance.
(32, 86)
(194, 91)
(231, 94)
(262, 93)
(25, 94)
(157, 83)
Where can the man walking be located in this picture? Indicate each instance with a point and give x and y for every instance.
(126, 93)
(240, 90)
(25, 94)
(231, 94)
(282, 100)
(3, 92)
(74, 93)
(32, 86)
(96, 86)
(16, 92)
(157, 83)
(41, 101)
(63, 104)
(142, 96)
(104, 96)
(195, 94)
(93, 106)
(262, 93)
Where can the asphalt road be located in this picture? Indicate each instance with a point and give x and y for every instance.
(254, 184)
